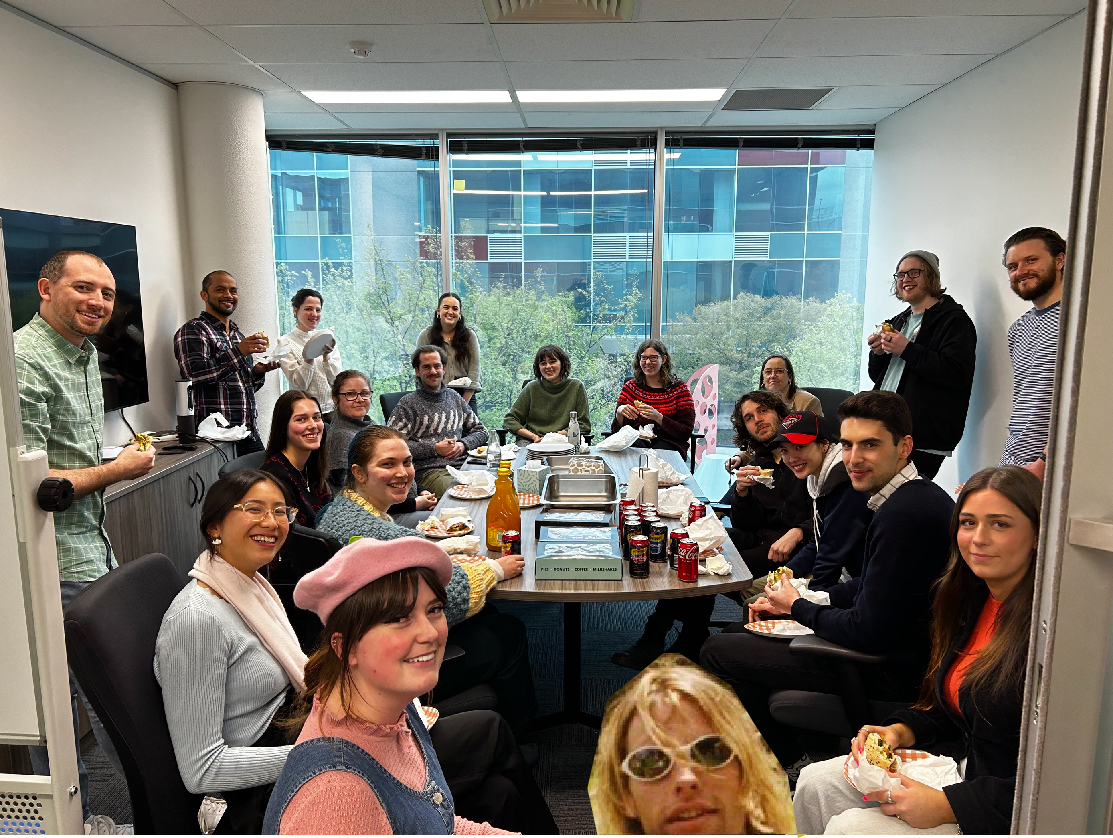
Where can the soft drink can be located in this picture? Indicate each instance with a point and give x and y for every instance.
(658, 542)
(696, 510)
(647, 523)
(687, 562)
(675, 537)
(625, 506)
(511, 542)
(639, 557)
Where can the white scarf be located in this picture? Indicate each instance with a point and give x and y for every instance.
(260, 608)
(816, 481)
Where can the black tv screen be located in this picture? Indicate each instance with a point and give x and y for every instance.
(31, 238)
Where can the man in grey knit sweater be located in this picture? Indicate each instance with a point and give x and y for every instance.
(439, 426)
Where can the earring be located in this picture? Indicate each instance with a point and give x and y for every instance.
(217, 542)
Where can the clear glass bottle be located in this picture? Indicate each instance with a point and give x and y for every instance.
(494, 453)
(503, 512)
(574, 432)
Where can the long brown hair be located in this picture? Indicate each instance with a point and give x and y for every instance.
(668, 377)
(316, 470)
(960, 595)
(387, 598)
(459, 343)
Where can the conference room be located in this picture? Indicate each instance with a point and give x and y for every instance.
(733, 180)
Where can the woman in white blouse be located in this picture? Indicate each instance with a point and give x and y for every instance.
(315, 376)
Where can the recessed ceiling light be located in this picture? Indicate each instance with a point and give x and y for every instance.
(688, 94)
(407, 97)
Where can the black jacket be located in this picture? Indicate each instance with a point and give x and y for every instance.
(782, 507)
(841, 544)
(938, 373)
(887, 610)
(987, 733)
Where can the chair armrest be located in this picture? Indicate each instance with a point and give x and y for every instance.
(451, 653)
(721, 510)
(588, 438)
(817, 647)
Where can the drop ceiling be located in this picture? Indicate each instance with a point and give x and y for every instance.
(878, 55)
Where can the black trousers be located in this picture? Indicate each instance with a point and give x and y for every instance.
(496, 652)
(755, 666)
(927, 464)
(487, 774)
(249, 445)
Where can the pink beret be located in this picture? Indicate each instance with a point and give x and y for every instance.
(365, 561)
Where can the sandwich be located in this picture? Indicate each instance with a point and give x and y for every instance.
(888, 327)
(776, 577)
(639, 403)
(461, 527)
(481, 450)
(766, 472)
(143, 442)
(266, 340)
(878, 753)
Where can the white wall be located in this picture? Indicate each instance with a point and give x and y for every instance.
(82, 135)
(957, 173)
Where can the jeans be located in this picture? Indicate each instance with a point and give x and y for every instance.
(40, 762)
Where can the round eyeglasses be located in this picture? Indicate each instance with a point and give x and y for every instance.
(356, 395)
(256, 512)
(652, 762)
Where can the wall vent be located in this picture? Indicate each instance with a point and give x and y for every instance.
(559, 11)
(776, 98)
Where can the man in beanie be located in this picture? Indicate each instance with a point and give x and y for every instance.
(926, 354)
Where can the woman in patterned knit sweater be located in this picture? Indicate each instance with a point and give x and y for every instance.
(364, 763)
(654, 396)
(380, 473)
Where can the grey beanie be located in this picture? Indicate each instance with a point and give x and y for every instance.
(926, 255)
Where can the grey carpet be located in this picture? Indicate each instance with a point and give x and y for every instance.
(566, 751)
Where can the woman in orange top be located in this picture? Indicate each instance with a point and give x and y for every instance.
(972, 696)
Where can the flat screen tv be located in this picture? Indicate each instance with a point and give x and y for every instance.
(31, 238)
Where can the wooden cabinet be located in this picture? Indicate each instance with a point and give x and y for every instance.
(161, 511)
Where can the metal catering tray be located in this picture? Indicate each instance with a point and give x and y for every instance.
(580, 491)
(559, 463)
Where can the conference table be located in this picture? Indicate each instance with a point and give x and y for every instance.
(662, 582)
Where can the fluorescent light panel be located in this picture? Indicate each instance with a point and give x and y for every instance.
(408, 97)
(690, 94)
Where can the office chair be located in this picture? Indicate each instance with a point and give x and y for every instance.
(252, 460)
(829, 399)
(389, 401)
(114, 666)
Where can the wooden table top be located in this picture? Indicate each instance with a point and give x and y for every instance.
(662, 582)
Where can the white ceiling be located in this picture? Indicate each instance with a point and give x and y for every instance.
(880, 55)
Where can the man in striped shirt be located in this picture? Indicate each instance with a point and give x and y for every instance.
(1034, 258)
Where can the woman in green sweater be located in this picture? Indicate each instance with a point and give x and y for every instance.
(544, 404)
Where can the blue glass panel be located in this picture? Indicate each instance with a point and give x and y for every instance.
(786, 246)
(821, 279)
(680, 289)
(332, 162)
(335, 204)
(790, 193)
(715, 246)
(291, 161)
(297, 248)
(702, 157)
(681, 247)
(554, 248)
(755, 200)
(825, 198)
(336, 248)
(823, 245)
(295, 204)
(629, 209)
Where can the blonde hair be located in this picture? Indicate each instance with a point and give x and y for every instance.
(669, 680)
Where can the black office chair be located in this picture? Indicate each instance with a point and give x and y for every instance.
(839, 714)
(829, 399)
(114, 666)
(252, 460)
(389, 401)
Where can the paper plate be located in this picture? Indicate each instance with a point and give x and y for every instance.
(316, 345)
(439, 535)
(526, 500)
(668, 484)
(905, 754)
(550, 448)
(479, 453)
(779, 628)
(469, 492)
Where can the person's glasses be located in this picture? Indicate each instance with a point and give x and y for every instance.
(914, 273)
(651, 358)
(652, 762)
(777, 371)
(256, 512)
(356, 395)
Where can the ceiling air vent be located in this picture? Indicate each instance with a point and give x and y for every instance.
(776, 98)
(559, 11)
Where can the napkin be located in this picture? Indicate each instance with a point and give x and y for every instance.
(674, 502)
(467, 545)
(215, 427)
(554, 438)
(509, 451)
(665, 472)
(818, 597)
(933, 771)
(452, 513)
(478, 479)
(620, 440)
(463, 381)
(708, 532)
(716, 565)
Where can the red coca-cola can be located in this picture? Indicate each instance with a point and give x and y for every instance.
(647, 509)
(675, 537)
(696, 510)
(639, 557)
(625, 506)
(511, 542)
(687, 562)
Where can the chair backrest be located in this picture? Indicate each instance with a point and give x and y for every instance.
(389, 401)
(305, 550)
(829, 398)
(704, 385)
(114, 664)
(252, 460)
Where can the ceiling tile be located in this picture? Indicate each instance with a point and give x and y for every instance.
(286, 101)
(857, 70)
(63, 13)
(427, 122)
(246, 74)
(216, 12)
(954, 35)
(164, 44)
(927, 8)
(710, 10)
(812, 118)
(875, 96)
(575, 120)
(302, 121)
(622, 75)
(312, 44)
(623, 41)
(474, 75)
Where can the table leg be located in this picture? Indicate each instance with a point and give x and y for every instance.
(571, 713)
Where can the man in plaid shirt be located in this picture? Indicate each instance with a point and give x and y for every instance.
(213, 353)
(62, 409)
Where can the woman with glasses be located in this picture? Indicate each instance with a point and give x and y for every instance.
(677, 753)
(544, 404)
(315, 376)
(777, 376)
(654, 396)
(451, 333)
(971, 701)
(226, 655)
(293, 453)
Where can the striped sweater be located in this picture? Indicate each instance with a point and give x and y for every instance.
(677, 409)
(1034, 348)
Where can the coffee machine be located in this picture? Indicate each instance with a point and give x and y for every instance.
(183, 408)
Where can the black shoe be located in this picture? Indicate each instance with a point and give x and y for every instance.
(640, 655)
(689, 646)
(531, 753)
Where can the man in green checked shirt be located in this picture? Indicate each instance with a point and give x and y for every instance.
(62, 408)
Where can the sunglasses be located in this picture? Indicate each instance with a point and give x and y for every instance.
(652, 762)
